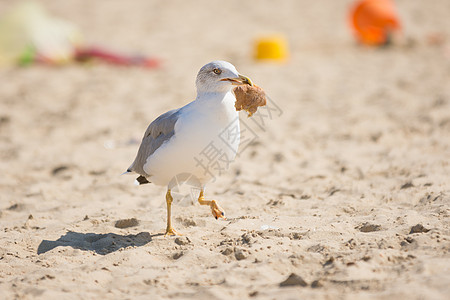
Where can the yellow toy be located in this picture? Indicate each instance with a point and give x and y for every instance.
(271, 47)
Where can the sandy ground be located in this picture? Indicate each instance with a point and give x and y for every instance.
(329, 188)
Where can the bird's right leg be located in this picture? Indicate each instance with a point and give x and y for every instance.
(169, 229)
(216, 210)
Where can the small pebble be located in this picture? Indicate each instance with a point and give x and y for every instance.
(316, 284)
(177, 255)
(367, 227)
(240, 254)
(418, 229)
(227, 251)
(182, 240)
(293, 280)
(125, 223)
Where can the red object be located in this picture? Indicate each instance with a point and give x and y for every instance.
(114, 58)
(373, 21)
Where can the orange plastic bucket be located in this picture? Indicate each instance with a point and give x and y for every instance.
(373, 21)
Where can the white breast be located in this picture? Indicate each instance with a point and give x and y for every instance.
(205, 142)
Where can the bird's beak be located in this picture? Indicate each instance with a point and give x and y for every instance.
(240, 80)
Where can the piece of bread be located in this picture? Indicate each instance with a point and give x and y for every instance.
(249, 98)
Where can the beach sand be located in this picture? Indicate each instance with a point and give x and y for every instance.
(329, 186)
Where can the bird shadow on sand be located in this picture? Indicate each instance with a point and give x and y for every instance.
(99, 243)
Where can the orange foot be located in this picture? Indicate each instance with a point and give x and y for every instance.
(170, 231)
(216, 210)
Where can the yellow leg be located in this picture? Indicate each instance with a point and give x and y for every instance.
(216, 210)
(169, 229)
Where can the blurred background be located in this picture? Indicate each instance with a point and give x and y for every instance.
(320, 75)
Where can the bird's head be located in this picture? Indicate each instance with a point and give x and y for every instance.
(218, 77)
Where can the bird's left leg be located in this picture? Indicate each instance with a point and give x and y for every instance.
(216, 210)
(169, 229)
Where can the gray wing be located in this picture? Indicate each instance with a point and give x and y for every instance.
(158, 132)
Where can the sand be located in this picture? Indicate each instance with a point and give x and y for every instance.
(324, 196)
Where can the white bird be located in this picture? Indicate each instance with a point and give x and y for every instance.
(190, 143)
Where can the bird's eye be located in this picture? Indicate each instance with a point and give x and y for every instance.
(217, 71)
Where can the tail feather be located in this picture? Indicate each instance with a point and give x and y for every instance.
(142, 180)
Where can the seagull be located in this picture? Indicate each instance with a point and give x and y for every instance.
(190, 143)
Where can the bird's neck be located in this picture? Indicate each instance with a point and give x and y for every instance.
(220, 105)
(214, 98)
